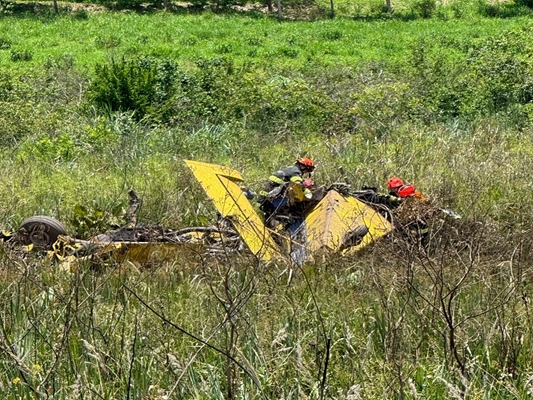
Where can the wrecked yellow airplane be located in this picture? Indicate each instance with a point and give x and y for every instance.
(337, 223)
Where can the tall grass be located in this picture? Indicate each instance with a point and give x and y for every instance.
(373, 326)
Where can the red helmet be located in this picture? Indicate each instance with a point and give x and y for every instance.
(407, 191)
(394, 183)
(306, 162)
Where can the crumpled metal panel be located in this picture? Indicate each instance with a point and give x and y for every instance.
(340, 223)
(222, 186)
(137, 253)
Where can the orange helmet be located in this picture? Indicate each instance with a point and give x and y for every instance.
(394, 183)
(306, 162)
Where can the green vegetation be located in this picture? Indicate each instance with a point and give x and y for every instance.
(94, 103)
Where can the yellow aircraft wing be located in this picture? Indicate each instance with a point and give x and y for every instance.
(336, 218)
(221, 185)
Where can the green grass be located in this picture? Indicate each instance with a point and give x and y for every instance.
(380, 335)
(262, 41)
(274, 49)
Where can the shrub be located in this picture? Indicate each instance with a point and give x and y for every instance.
(499, 74)
(99, 135)
(527, 3)
(79, 15)
(282, 100)
(26, 106)
(383, 106)
(107, 42)
(142, 85)
(487, 9)
(332, 35)
(220, 92)
(203, 93)
(22, 55)
(5, 43)
(425, 8)
(95, 218)
(47, 148)
(490, 77)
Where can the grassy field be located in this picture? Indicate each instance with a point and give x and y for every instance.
(444, 102)
(266, 42)
(55, 129)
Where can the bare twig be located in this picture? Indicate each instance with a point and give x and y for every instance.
(192, 336)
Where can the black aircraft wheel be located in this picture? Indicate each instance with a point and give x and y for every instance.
(41, 231)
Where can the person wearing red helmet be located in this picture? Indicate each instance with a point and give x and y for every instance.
(299, 173)
(305, 165)
(399, 189)
(398, 192)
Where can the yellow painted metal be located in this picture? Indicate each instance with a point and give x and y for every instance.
(222, 186)
(336, 216)
(138, 253)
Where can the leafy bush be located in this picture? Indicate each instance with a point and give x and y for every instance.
(373, 8)
(26, 106)
(284, 99)
(332, 35)
(487, 9)
(216, 91)
(46, 148)
(501, 71)
(142, 85)
(444, 80)
(425, 8)
(22, 55)
(95, 218)
(383, 106)
(128, 4)
(99, 135)
(527, 3)
(5, 43)
(107, 42)
(202, 94)
(433, 77)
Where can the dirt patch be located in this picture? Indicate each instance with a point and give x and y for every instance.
(42, 7)
(82, 7)
(47, 7)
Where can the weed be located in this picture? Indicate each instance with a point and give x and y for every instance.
(333, 35)
(5, 43)
(425, 8)
(95, 218)
(107, 42)
(80, 15)
(22, 55)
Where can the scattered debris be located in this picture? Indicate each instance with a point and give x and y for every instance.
(336, 220)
